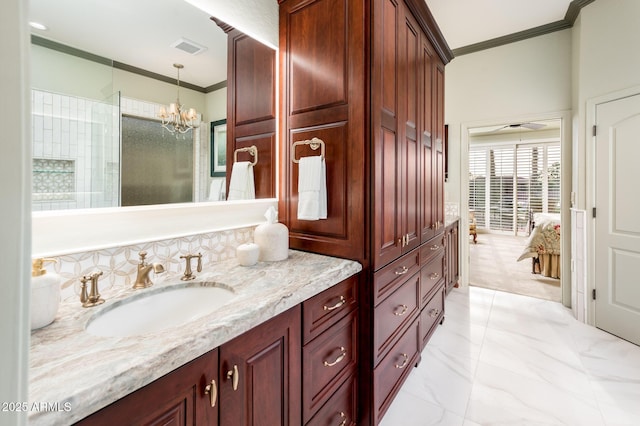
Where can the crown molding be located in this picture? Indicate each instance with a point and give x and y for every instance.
(567, 22)
(63, 48)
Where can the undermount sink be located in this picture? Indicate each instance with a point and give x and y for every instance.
(158, 309)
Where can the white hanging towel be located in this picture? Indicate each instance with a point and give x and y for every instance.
(312, 188)
(216, 190)
(241, 186)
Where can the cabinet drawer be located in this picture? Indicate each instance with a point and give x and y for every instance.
(431, 315)
(323, 310)
(393, 370)
(432, 248)
(394, 314)
(431, 275)
(394, 275)
(340, 409)
(327, 360)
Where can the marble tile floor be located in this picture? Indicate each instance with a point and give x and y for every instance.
(505, 359)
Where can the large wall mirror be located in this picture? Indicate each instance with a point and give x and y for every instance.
(102, 72)
(98, 64)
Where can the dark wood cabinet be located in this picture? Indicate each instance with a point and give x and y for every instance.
(431, 315)
(182, 397)
(251, 107)
(322, 63)
(451, 255)
(253, 379)
(367, 77)
(260, 374)
(330, 355)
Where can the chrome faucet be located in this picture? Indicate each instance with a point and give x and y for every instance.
(144, 268)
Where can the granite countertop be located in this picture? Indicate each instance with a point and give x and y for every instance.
(77, 373)
(450, 219)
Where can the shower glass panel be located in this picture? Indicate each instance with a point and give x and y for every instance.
(105, 152)
(157, 168)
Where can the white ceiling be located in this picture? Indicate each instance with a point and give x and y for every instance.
(467, 22)
(140, 32)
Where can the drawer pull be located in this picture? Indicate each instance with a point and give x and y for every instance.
(343, 353)
(235, 376)
(336, 306)
(402, 271)
(344, 419)
(212, 391)
(434, 276)
(404, 363)
(434, 313)
(434, 247)
(404, 311)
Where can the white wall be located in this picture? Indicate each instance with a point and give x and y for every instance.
(526, 78)
(15, 230)
(606, 60)
(61, 73)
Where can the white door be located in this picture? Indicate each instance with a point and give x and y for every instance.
(617, 238)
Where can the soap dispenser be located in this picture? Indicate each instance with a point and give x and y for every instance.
(45, 294)
(272, 238)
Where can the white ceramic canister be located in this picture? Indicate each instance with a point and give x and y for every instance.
(272, 238)
(45, 294)
(248, 254)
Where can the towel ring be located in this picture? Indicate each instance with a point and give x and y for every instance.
(314, 143)
(252, 150)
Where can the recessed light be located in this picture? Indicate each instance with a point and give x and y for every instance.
(38, 26)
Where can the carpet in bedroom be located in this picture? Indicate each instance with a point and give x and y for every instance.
(493, 264)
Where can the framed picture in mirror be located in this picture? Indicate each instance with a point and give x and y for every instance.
(219, 148)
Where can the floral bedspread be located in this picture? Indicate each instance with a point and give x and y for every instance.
(544, 239)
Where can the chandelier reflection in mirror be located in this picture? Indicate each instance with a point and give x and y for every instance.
(178, 120)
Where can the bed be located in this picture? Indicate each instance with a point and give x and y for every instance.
(543, 244)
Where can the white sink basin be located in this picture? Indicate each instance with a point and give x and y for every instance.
(158, 309)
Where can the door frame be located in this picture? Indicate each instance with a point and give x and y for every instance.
(590, 187)
(565, 189)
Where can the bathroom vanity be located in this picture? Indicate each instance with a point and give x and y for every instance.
(282, 349)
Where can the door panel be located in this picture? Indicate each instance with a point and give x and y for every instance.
(617, 239)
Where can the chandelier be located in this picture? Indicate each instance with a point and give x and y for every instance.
(177, 119)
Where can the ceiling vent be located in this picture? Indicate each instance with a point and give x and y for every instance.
(188, 46)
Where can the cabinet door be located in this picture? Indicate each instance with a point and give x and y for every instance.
(179, 398)
(260, 374)
(322, 63)
(410, 34)
(427, 222)
(438, 152)
(251, 108)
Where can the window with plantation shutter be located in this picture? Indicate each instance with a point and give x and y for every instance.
(508, 182)
(477, 184)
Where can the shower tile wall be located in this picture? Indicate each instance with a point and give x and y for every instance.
(86, 132)
(74, 136)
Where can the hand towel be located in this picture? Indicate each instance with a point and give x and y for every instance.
(241, 186)
(216, 190)
(312, 188)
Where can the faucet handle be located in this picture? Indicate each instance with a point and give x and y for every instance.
(93, 299)
(143, 256)
(188, 274)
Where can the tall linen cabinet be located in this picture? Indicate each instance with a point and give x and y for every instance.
(367, 78)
